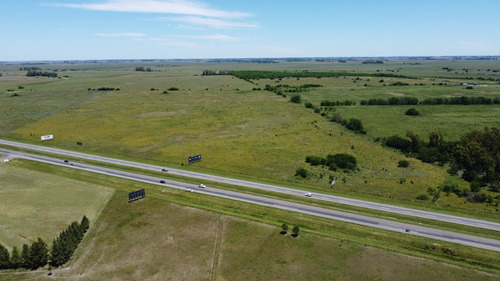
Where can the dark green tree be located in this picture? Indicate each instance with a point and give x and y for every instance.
(4, 257)
(354, 125)
(57, 253)
(84, 224)
(25, 257)
(284, 227)
(412, 112)
(301, 172)
(296, 99)
(415, 141)
(296, 231)
(39, 254)
(15, 258)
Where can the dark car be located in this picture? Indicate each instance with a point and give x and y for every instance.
(162, 181)
(164, 170)
(66, 161)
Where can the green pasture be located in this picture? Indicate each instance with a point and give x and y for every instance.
(243, 132)
(36, 204)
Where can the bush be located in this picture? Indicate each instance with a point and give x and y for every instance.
(422, 197)
(412, 112)
(309, 105)
(296, 99)
(398, 142)
(342, 160)
(403, 163)
(354, 125)
(301, 172)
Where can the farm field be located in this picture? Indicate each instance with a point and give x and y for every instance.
(174, 112)
(37, 204)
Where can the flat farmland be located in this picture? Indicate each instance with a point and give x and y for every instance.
(37, 204)
(173, 112)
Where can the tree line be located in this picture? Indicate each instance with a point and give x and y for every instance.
(462, 100)
(289, 89)
(38, 254)
(33, 73)
(261, 74)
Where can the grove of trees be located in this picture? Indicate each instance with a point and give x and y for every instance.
(476, 156)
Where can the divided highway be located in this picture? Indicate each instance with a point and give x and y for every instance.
(479, 242)
(319, 196)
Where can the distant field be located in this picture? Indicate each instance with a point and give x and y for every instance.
(155, 240)
(255, 133)
(36, 204)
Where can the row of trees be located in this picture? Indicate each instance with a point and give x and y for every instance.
(463, 100)
(213, 72)
(259, 74)
(476, 155)
(141, 68)
(289, 89)
(33, 73)
(37, 255)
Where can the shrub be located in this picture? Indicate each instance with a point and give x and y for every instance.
(422, 197)
(342, 160)
(295, 99)
(354, 125)
(398, 142)
(412, 112)
(403, 163)
(309, 105)
(301, 172)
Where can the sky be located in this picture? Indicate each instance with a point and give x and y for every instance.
(38, 30)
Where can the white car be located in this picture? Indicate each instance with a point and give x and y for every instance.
(189, 190)
(308, 194)
(202, 186)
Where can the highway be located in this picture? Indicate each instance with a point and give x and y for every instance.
(274, 188)
(479, 242)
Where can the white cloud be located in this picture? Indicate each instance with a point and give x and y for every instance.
(220, 37)
(181, 7)
(126, 34)
(211, 22)
(168, 42)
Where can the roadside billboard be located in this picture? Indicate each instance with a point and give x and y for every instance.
(47, 137)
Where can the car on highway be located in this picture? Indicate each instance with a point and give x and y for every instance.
(202, 186)
(66, 161)
(407, 230)
(189, 190)
(164, 170)
(308, 194)
(163, 181)
(72, 164)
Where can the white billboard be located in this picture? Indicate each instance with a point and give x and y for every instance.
(47, 137)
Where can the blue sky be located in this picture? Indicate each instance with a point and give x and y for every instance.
(170, 29)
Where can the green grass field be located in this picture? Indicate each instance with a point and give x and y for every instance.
(36, 204)
(243, 132)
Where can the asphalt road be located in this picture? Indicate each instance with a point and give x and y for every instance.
(469, 240)
(319, 196)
